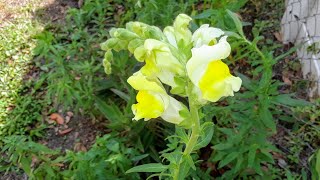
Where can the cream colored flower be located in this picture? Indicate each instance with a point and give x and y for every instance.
(206, 35)
(209, 74)
(160, 62)
(153, 101)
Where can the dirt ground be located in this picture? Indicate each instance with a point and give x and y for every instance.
(77, 135)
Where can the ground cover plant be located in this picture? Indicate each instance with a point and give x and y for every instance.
(69, 78)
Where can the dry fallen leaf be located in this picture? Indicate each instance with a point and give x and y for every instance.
(66, 131)
(34, 161)
(69, 113)
(277, 155)
(79, 147)
(57, 117)
(49, 121)
(278, 36)
(67, 119)
(282, 163)
(58, 164)
(286, 80)
(76, 135)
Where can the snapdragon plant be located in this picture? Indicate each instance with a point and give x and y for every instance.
(191, 64)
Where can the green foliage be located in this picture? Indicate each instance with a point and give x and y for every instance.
(315, 165)
(70, 59)
(15, 60)
(33, 158)
(25, 118)
(108, 158)
(241, 138)
(159, 13)
(73, 57)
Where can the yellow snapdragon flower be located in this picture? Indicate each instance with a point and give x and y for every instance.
(166, 55)
(179, 31)
(160, 62)
(209, 74)
(153, 101)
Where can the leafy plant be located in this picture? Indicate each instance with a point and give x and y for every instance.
(174, 57)
(33, 158)
(72, 56)
(241, 139)
(315, 165)
(108, 158)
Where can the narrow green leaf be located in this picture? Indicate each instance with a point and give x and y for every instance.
(257, 168)
(219, 156)
(239, 164)
(236, 21)
(152, 167)
(318, 163)
(222, 146)
(289, 175)
(252, 155)
(184, 169)
(268, 155)
(205, 136)
(291, 50)
(189, 160)
(205, 14)
(230, 157)
(107, 110)
(267, 119)
(232, 34)
(246, 81)
(26, 165)
(121, 94)
(287, 100)
(138, 158)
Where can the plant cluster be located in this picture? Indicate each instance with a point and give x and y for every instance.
(182, 81)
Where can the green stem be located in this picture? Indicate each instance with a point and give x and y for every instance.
(256, 49)
(195, 130)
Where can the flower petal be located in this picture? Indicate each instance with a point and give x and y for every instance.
(217, 82)
(169, 33)
(171, 113)
(159, 54)
(140, 82)
(204, 55)
(150, 105)
(205, 35)
(181, 29)
(167, 77)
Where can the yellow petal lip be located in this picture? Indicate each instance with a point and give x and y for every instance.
(150, 105)
(205, 54)
(217, 82)
(140, 82)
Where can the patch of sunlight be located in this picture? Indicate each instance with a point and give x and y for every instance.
(17, 29)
